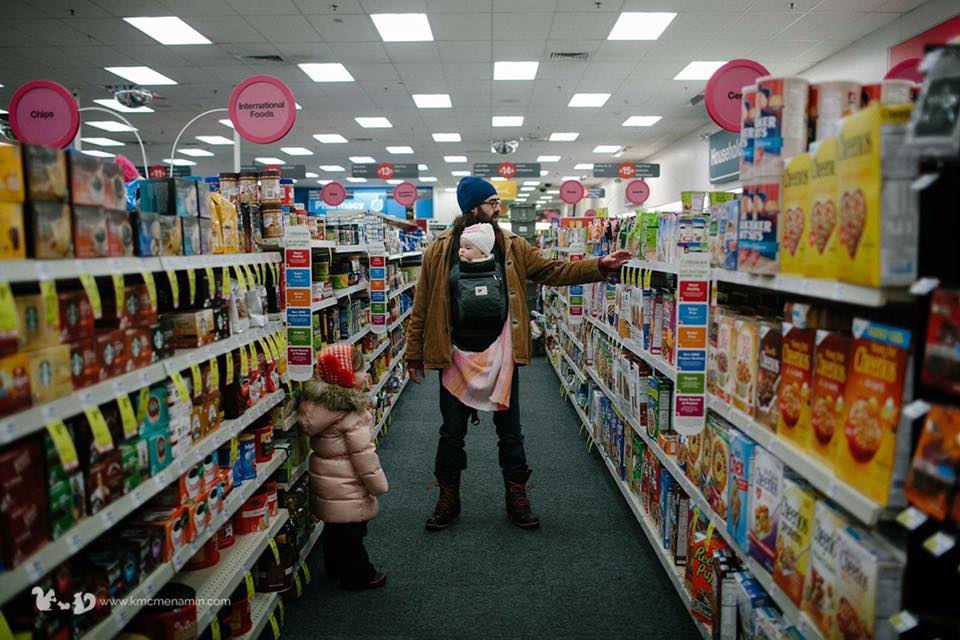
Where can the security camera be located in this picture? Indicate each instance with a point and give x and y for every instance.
(6, 131)
(133, 97)
(543, 188)
(504, 147)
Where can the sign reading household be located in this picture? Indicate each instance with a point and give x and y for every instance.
(626, 170)
(384, 170)
(44, 113)
(724, 157)
(507, 170)
(262, 109)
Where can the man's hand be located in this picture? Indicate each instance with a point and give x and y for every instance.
(613, 262)
(415, 371)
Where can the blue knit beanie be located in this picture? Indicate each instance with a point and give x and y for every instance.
(472, 191)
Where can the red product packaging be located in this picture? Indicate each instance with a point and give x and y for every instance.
(941, 361)
(251, 517)
(14, 383)
(174, 525)
(76, 315)
(139, 347)
(137, 310)
(85, 364)
(23, 501)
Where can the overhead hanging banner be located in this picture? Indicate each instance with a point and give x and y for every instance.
(626, 170)
(724, 157)
(724, 91)
(45, 113)
(637, 191)
(507, 169)
(262, 109)
(384, 170)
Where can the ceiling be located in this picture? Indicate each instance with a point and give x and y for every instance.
(71, 41)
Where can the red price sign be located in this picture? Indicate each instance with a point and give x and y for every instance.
(627, 170)
(405, 194)
(637, 192)
(333, 194)
(572, 191)
(385, 171)
(507, 170)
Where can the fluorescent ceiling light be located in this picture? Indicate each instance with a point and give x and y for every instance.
(311, 174)
(450, 189)
(459, 174)
(104, 142)
(422, 167)
(588, 100)
(218, 140)
(329, 138)
(446, 137)
(555, 192)
(531, 183)
(352, 179)
(113, 103)
(299, 106)
(548, 158)
(515, 70)
(528, 188)
(196, 153)
(394, 181)
(498, 179)
(179, 162)
(270, 160)
(144, 76)
(324, 181)
(584, 166)
(606, 148)
(567, 178)
(544, 172)
(331, 167)
(362, 160)
(564, 137)
(226, 122)
(326, 71)
(428, 179)
(641, 121)
(400, 150)
(377, 122)
(109, 125)
(96, 153)
(640, 25)
(403, 27)
(699, 70)
(454, 159)
(168, 30)
(296, 151)
(507, 121)
(432, 100)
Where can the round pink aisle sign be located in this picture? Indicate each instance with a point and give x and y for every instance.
(906, 70)
(262, 109)
(637, 191)
(333, 194)
(572, 191)
(724, 90)
(45, 113)
(405, 194)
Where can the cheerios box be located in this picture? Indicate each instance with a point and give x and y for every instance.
(764, 507)
(873, 453)
(793, 537)
(742, 451)
(820, 587)
(830, 362)
(795, 214)
(796, 378)
(823, 210)
(878, 222)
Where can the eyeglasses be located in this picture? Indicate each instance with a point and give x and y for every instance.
(493, 203)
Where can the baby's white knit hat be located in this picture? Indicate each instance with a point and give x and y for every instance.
(481, 236)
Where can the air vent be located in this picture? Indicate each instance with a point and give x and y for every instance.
(569, 56)
(264, 58)
(361, 139)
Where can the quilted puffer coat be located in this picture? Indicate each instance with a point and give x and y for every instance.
(345, 472)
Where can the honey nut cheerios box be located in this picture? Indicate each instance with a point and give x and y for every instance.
(830, 362)
(795, 215)
(823, 210)
(793, 537)
(796, 379)
(871, 446)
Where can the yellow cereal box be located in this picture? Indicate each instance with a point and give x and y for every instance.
(795, 214)
(796, 379)
(823, 210)
(11, 174)
(876, 240)
(746, 332)
(797, 505)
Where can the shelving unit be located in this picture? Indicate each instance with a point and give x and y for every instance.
(574, 339)
(396, 323)
(296, 475)
(656, 362)
(815, 288)
(398, 359)
(376, 352)
(289, 422)
(357, 336)
(401, 289)
(310, 544)
(262, 606)
(386, 414)
(662, 267)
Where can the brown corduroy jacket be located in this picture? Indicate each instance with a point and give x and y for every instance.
(428, 332)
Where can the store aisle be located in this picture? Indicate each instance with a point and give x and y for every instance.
(588, 572)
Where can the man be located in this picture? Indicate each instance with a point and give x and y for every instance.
(436, 332)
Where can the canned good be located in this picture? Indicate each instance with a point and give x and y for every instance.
(247, 462)
(270, 186)
(272, 221)
(248, 187)
(264, 440)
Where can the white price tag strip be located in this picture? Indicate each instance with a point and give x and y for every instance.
(34, 570)
(108, 517)
(923, 286)
(911, 518)
(903, 621)
(74, 542)
(916, 409)
(939, 543)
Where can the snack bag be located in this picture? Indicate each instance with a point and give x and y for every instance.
(868, 450)
(941, 360)
(820, 590)
(793, 537)
(796, 369)
(830, 362)
(742, 451)
(823, 210)
(933, 473)
(765, 507)
(794, 217)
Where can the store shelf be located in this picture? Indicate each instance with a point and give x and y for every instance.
(325, 303)
(573, 338)
(405, 255)
(815, 288)
(356, 337)
(790, 611)
(183, 358)
(396, 323)
(573, 365)
(656, 362)
(262, 606)
(386, 376)
(221, 260)
(349, 291)
(322, 244)
(817, 474)
(662, 267)
(289, 422)
(401, 289)
(91, 527)
(370, 357)
(386, 414)
(296, 475)
(350, 248)
(310, 544)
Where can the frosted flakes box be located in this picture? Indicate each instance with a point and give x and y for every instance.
(742, 451)
(830, 361)
(794, 218)
(796, 370)
(797, 505)
(869, 585)
(820, 590)
(718, 477)
(765, 507)
(872, 446)
(745, 367)
(823, 210)
(770, 340)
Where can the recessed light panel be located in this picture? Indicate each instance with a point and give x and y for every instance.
(376, 122)
(196, 153)
(362, 160)
(330, 168)
(96, 153)
(400, 150)
(329, 138)
(103, 142)
(564, 136)
(218, 140)
(507, 121)
(403, 27)
(144, 76)
(513, 70)
(641, 121)
(113, 103)
(428, 179)
(606, 148)
(270, 160)
(446, 137)
(168, 30)
(296, 151)
(548, 158)
(326, 71)
(699, 70)
(352, 179)
(453, 159)
(459, 174)
(640, 25)
(588, 100)
(584, 166)
(179, 162)
(226, 122)
(432, 100)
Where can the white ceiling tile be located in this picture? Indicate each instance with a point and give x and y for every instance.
(774, 51)
(836, 26)
(524, 6)
(413, 52)
(760, 25)
(345, 28)
(515, 26)
(900, 6)
(701, 24)
(457, 6)
(413, 71)
(518, 50)
(619, 50)
(207, 56)
(55, 32)
(582, 26)
(461, 26)
(69, 8)
(466, 51)
(286, 28)
(18, 9)
(156, 56)
(822, 51)
(849, 5)
(226, 28)
(355, 52)
(470, 71)
(297, 52)
(374, 73)
(316, 7)
(95, 56)
(260, 8)
(689, 5)
(188, 9)
(394, 6)
(112, 31)
(472, 87)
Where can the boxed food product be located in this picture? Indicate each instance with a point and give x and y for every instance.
(147, 234)
(821, 590)
(870, 582)
(11, 174)
(76, 315)
(718, 477)
(705, 467)
(669, 328)
(751, 597)
(781, 128)
(35, 328)
(692, 235)
(830, 103)
(140, 347)
(659, 403)
(823, 210)
(171, 235)
(742, 451)
(137, 309)
(941, 359)
(877, 237)
(171, 196)
(119, 233)
(693, 201)
(757, 241)
(48, 230)
(932, 480)
(50, 374)
(86, 180)
(13, 242)
(45, 170)
(726, 354)
(161, 339)
(794, 223)
(173, 522)
(206, 236)
(85, 364)
(765, 507)
(699, 572)
(770, 342)
(746, 330)
(89, 232)
(796, 370)
(749, 112)
(192, 329)
(797, 504)
(649, 222)
(693, 450)
(204, 205)
(14, 383)
(192, 245)
(114, 188)
(831, 360)
(872, 446)
(730, 233)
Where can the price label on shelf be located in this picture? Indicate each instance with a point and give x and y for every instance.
(93, 294)
(174, 287)
(102, 439)
(5, 632)
(903, 621)
(911, 518)
(63, 444)
(244, 363)
(51, 304)
(215, 629)
(273, 547)
(283, 612)
(939, 543)
(297, 583)
(197, 380)
(74, 542)
(251, 280)
(127, 416)
(211, 282)
(226, 287)
(192, 285)
(248, 580)
(241, 282)
(180, 386)
(306, 571)
(108, 517)
(275, 627)
(142, 404)
(151, 287)
(229, 372)
(34, 570)
(118, 286)
(214, 373)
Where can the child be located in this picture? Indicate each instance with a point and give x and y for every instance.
(476, 243)
(345, 473)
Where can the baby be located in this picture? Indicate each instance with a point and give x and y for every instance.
(476, 243)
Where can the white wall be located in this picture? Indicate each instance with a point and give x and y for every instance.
(445, 207)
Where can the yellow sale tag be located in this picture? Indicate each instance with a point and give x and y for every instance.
(275, 627)
(234, 449)
(181, 386)
(267, 354)
(297, 584)
(283, 612)
(93, 294)
(142, 405)
(9, 320)
(51, 305)
(248, 579)
(214, 629)
(225, 286)
(229, 372)
(5, 632)
(192, 284)
(211, 282)
(276, 551)
(214, 374)
(102, 439)
(151, 287)
(197, 380)
(244, 364)
(117, 279)
(306, 571)
(174, 287)
(250, 279)
(63, 444)
(127, 417)
(241, 282)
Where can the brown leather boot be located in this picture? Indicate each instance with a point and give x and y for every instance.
(448, 506)
(518, 505)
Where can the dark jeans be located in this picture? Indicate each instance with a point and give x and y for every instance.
(450, 452)
(343, 554)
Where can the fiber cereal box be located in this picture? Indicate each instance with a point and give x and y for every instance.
(868, 451)
(793, 537)
(795, 214)
(876, 242)
(745, 368)
(765, 507)
(823, 210)
(742, 451)
(726, 353)
(870, 582)
(718, 476)
(820, 589)
(830, 362)
(796, 370)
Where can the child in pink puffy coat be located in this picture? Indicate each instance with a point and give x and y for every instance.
(345, 472)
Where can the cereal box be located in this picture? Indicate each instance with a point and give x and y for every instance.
(941, 359)
(649, 224)
(748, 116)
(869, 450)
(667, 347)
(712, 373)
(729, 233)
(869, 586)
(770, 340)
(726, 354)
(702, 474)
(699, 572)
(876, 242)
(757, 244)
(829, 381)
(781, 125)
(794, 218)
(765, 507)
(796, 370)
(823, 210)
(745, 366)
(820, 590)
(692, 447)
(793, 537)
(718, 476)
(933, 472)
(742, 451)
